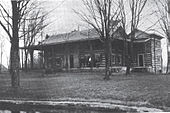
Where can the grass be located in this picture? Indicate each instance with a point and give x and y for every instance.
(136, 87)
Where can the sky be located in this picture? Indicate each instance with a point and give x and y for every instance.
(65, 19)
(62, 18)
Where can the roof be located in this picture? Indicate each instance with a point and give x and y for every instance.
(73, 36)
(77, 36)
(156, 36)
(141, 36)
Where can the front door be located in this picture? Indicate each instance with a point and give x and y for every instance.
(141, 60)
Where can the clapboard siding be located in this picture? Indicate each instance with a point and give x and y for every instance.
(156, 54)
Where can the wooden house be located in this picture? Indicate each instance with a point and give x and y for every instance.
(75, 50)
(147, 51)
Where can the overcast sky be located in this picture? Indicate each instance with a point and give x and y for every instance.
(66, 20)
(63, 17)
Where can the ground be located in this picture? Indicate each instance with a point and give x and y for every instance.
(135, 87)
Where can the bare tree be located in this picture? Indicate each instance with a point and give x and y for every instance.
(32, 26)
(135, 12)
(103, 16)
(11, 27)
(162, 13)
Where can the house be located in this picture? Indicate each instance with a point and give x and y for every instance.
(84, 49)
(147, 51)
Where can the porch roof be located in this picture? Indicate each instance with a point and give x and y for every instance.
(33, 47)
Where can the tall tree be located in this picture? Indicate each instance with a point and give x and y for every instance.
(135, 12)
(162, 13)
(103, 16)
(11, 27)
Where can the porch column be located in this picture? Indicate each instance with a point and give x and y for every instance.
(41, 61)
(32, 58)
(45, 58)
(22, 63)
(66, 56)
(76, 56)
(125, 51)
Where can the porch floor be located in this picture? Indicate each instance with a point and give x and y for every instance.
(115, 69)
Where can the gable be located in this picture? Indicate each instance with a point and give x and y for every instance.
(141, 36)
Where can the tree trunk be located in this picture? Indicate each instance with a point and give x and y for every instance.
(32, 58)
(107, 59)
(14, 57)
(15, 63)
(128, 65)
(130, 57)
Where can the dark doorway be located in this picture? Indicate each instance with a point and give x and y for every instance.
(141, 60)
(71, 61)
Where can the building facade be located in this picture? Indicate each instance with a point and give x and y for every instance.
(84, 49)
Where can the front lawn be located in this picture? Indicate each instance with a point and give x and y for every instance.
(136, 87)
